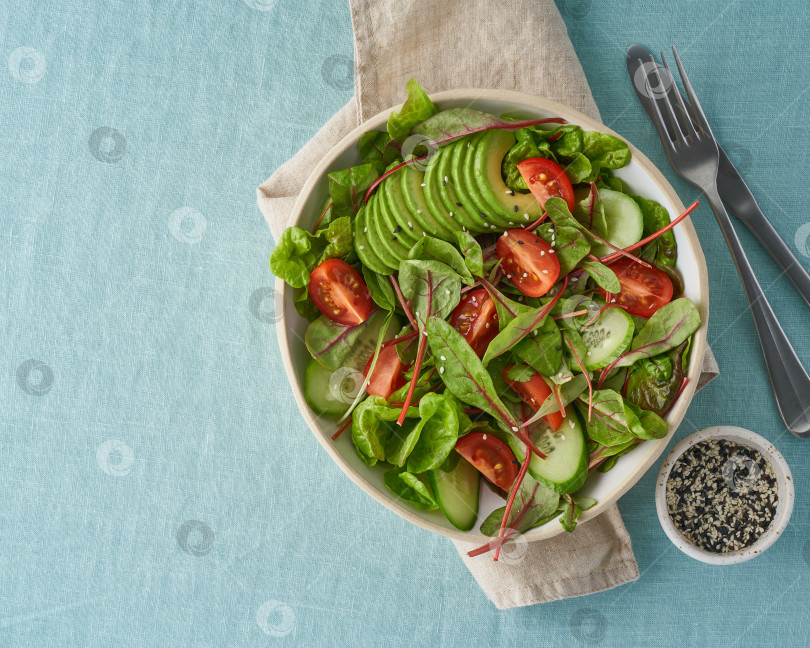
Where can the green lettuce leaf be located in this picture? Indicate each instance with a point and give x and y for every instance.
(416, 109)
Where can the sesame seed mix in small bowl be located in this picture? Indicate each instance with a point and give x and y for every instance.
(724, 495)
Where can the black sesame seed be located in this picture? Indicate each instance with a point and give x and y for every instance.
(459, 204)
(483, 215)
(515, 206)
(520, 242)
(397, 229)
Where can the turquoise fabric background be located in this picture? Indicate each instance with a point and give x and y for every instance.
(158, 486)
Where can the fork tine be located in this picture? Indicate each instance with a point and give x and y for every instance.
(689, 126)
(697, 110)
(680, 136)
(660, 122)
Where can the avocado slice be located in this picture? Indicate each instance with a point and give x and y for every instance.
(411, 180)
(453, 186)
(410, 231)
(384, 227)
(433, 179)
(486, 169)
(376, 239)
(364, 250)
(493, 220)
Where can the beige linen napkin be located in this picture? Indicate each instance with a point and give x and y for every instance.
(520, 45)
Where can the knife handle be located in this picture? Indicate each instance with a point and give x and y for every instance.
(760, 226)
(790, 382)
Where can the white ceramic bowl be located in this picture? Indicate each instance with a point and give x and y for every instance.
(784, 507)
(641, 176)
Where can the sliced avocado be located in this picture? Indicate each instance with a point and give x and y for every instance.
(375, 237)
(365, 252)
(433, 180)
(504, 202)
(458, 197)
(410, 232)
(453, 185)
(493, 219)
(384, 226)
(411, 180)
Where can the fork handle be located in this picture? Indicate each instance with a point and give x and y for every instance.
(790, 382)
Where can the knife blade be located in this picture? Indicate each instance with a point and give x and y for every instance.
(733, 190)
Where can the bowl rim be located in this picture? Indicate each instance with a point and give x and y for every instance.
(535, 103)
(784, 507)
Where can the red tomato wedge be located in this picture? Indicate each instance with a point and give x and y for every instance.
(644, 290)
(534, 392)
(528, 261)
(388, 373)
(546, 179)
(491, 456)
(476, 319)
(340, 293)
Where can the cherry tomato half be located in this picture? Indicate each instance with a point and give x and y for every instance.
(491, 456)
(534, 392)
(644, 290)
(546, 179)
(389, 373)
(528, 261)
(340, 293)
(476, 319)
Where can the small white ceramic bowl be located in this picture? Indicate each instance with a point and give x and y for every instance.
(784, 507)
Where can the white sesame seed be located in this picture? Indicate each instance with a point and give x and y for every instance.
(365, 229)
(562, 436)
(362, 247)
(441, 370)
(486, 325)
(545, 271)
(508, 191)
(508, 276)
(514, 429)
(542, 253)
(442, 358)
(418, 211)
(551, 251)
(423, 184)
(485, 437)
(588, 353)
(526, 216)
(492, 227)
(571, 423)
(410, 224)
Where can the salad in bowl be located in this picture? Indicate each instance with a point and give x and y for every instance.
(490, 314)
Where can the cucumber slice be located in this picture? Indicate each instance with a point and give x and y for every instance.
(330, 392)
(625, 223)
(608, 337)
(456, 491)
(565, 467)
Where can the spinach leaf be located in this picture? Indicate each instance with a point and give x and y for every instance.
(348, 187)
(567, 140)
(439, 432)
(409, 487)
(416, 109)
(433, 287)
(579, 169)
(544, 350)
(506, 308)
(668, 328)
(590, 212)
(380, 289)
(533, 503)
(462, 372)
(427, 248)
(330, 343)
(608, 424)
(604, 277)
(306, 307)
(572, 508)
(518, 328)
(656, 217)
(372, 150)
(527, 145)
(473, 255)
(370, 434)
(605, 150)
(645, 425)
(653, 383)
(569, 244)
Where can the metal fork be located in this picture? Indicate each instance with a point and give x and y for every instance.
(693, 153)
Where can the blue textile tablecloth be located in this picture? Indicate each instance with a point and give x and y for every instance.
(158, 486)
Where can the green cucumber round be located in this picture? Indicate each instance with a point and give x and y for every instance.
(625, 223)
(330, 392)
(607, 338)
(456, 491)
(565, 467)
